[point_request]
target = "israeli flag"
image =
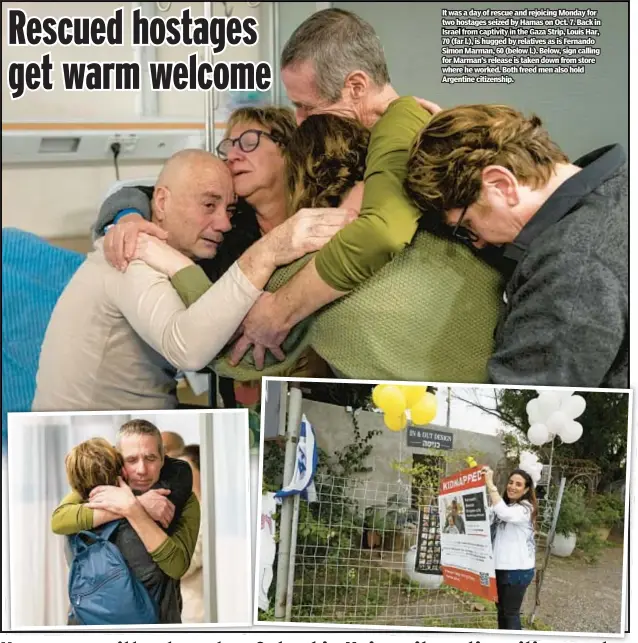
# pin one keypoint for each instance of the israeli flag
(305, 466)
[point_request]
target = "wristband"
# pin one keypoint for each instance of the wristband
(123, 213)
(119, 215)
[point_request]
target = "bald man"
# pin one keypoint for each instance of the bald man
(173, 444)
(117, 339)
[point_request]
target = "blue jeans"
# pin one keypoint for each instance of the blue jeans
(511, 586)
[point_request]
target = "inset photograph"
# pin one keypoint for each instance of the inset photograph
(443, 506)
(129, 519)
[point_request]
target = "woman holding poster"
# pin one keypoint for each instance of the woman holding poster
(514, 522)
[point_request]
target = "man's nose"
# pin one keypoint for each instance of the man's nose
(223, 223)
(141, 467)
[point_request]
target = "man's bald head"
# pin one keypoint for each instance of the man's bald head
(173, 444)
(191, 200)
(183, 164)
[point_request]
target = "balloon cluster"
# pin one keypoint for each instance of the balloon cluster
(554, 413)
(529, 462)
(396, 401)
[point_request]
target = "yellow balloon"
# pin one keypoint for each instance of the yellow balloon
(413, 394)
(424, 411)
(377, 394)
(471, 462)
(392, 400)
(395, 422)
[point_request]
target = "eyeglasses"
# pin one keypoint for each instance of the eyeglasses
(248, 142)
(461, 232)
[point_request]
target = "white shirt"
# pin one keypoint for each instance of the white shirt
(514, 546)
(116, 340)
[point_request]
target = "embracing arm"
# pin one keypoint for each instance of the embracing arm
(386, 224)
(189, 338)
(72, 516)
(127, 200)
(214, 311)
(173, 553)
(388, 219)
(177, 476)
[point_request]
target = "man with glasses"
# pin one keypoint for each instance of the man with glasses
(495, 177)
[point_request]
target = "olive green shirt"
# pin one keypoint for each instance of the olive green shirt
(388, 218)
(173, 556)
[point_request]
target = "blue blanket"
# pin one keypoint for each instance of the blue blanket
(34, 274)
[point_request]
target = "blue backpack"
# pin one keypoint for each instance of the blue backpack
(102, 588)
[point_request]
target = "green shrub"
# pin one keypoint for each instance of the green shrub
(573, 516)
(606, 510)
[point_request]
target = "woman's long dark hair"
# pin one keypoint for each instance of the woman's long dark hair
(529, 495)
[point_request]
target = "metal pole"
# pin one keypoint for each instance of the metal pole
(273, 18)
(550, 538)
(549, 475)
(449, 406)
(287, 507)
(283, 396)
(147, 101)
(293, 554)
(209, 97)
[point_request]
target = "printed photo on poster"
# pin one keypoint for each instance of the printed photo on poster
(467, 560)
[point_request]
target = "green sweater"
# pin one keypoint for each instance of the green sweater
(388, 218)
(427, 315)
(173, 556)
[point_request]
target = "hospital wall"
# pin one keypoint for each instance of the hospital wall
(61, 200)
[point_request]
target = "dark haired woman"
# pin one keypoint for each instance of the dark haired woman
(514, 515)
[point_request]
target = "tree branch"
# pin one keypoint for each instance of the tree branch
(498, 412)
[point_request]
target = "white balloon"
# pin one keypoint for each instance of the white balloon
(572, 432)
(535, 417)
(556, 422)
(573, 406)
(528, 456)
(532, 408)
(564, 393)
(548, 402)
(538, 434)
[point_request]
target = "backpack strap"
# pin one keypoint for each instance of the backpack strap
(105, 532)
(108, 529)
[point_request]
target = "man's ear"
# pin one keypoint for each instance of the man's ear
(161, 195)
(500, 179)
(357, 84)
